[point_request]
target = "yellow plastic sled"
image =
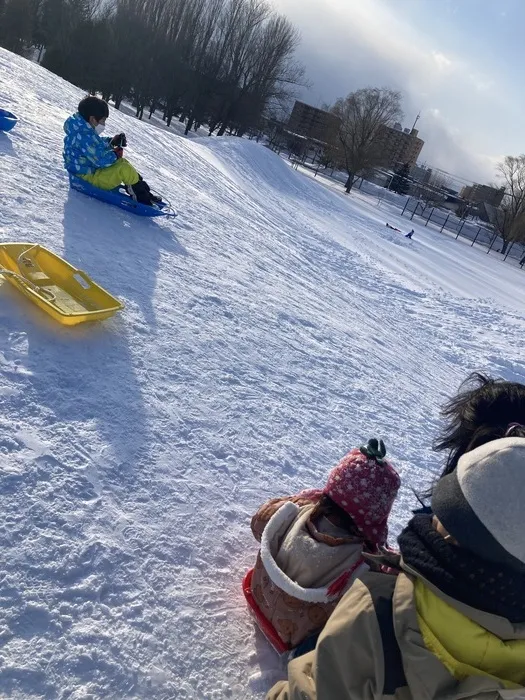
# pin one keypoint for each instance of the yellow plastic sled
(58, 288)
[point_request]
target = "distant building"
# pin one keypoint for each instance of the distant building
(398, 146)
(313, 123)
(421, 174)
(483, 194)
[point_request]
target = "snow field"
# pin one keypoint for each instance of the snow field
(271, 327)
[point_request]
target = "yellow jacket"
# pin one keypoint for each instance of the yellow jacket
(465, 647)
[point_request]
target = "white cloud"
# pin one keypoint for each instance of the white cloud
(481, 82)
(444, 149)
(442, 62)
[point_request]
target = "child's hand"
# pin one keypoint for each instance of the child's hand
(119, 141)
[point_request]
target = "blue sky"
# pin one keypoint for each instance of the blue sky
(458, 61)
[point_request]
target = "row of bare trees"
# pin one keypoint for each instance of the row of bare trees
(219, 62)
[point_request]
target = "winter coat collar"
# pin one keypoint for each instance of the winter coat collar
(276, 527)
(78, 123)
(330, 540)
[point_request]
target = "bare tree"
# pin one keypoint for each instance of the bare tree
(434, 191)
(189, 32)
(270, 73)
(237, 30)
(509, 219)
(362, 114)
(224, 29)
(440, 180)
(16, 25)
(62, 27)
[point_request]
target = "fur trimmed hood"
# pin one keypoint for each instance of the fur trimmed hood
(273, 533)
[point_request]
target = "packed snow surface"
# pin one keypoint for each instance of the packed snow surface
(272, 326)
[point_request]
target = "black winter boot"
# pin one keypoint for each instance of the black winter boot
(140, 192)
(154, 198)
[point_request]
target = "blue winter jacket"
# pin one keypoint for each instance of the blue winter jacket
(84, 150)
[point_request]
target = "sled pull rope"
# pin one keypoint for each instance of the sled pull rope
(31, 262)
(23, 280)
(20, 260)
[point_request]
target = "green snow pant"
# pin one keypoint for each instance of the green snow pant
(121, 172)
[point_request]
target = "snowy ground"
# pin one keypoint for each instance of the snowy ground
(271, 327)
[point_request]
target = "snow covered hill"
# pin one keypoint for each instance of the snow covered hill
(271, 327)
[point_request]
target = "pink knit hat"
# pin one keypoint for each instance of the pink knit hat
(365, 485)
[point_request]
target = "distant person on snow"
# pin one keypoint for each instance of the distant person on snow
(452, 622)
(99, 160)
(410, 234)
(312, 544)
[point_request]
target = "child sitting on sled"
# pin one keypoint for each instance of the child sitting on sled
(99, 160)
(312, 544)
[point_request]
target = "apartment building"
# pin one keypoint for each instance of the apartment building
(313, 123)
(483, 194)
(399, 146)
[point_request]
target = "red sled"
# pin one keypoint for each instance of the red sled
(263, 623)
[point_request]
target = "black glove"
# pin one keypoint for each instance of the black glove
(119, 141)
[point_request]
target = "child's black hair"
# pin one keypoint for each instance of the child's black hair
(329, 508)
(93, 107)
(482, 411)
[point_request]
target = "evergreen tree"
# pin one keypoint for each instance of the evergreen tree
(400, 182)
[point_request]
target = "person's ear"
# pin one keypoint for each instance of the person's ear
(439, 527)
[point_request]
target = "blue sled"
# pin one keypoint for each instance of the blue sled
(119, 198)
(7, 120)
